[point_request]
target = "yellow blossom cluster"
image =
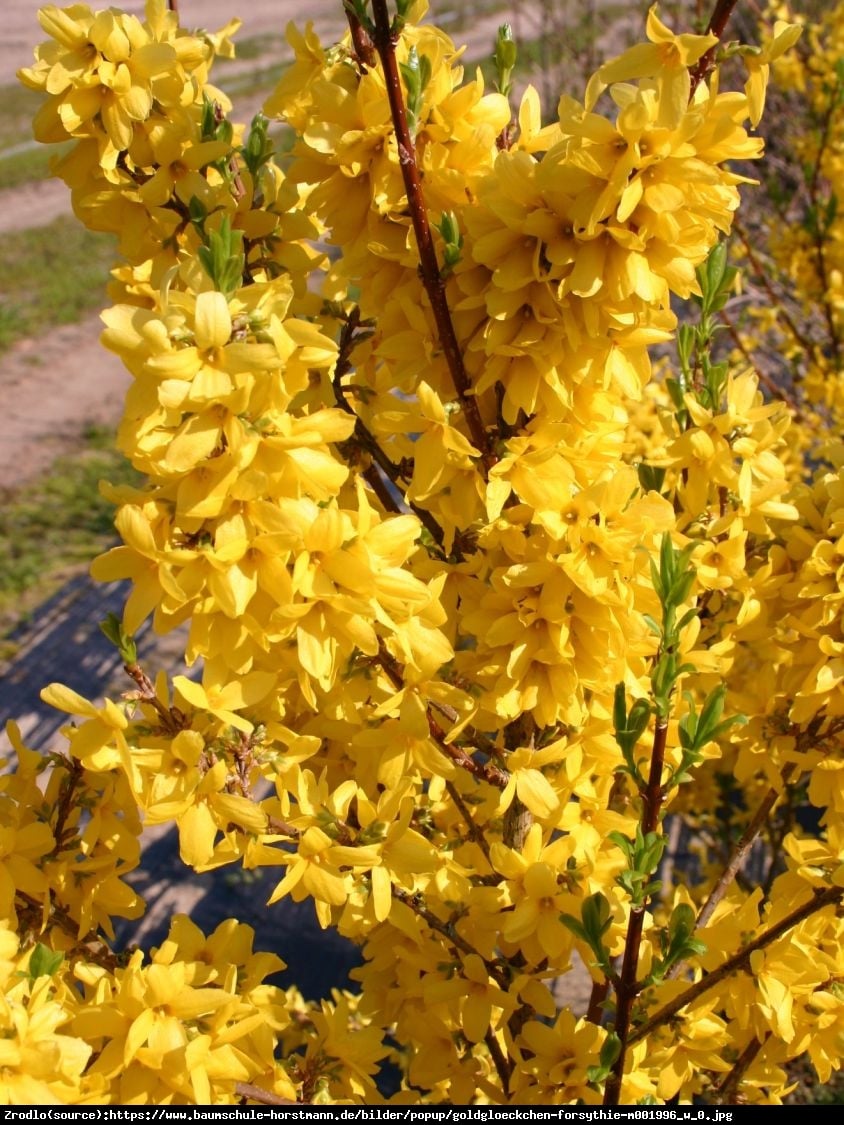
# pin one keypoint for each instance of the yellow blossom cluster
(799, 326)
(467, 587)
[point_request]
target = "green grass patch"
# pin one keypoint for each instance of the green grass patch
(20, 104)
(255, 47)
(30, 166)
(53, 527)
(259, 81)
(51, 275)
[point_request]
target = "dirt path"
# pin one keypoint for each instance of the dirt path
(51, 388)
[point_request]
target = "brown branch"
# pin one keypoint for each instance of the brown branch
(485, 771)
(654, 793)
(385, 44)
(503, 1065)
(364, 50)
(367, 440)
(597, 996)
(738, 856)
(65, 804)
(626, 988)
(476, 833)
(447, 931)
(172, 719)
(738, 962)
(806, 740)
(726, 1090)
(716, 26)
(282, 828)
(801, 338)
(247, 1092)
(774, 389)
(89, 947)
(173, 6)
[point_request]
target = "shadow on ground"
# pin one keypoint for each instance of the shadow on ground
(63, 642)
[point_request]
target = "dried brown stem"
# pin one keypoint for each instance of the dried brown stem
(738, 962)
(247, 1092)
(385, 44)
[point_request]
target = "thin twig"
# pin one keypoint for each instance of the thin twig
(65, 804)
(598, 995)
(172, 719)
(385, 44)
(716, 26)
(626, 988)
(88, 947)
(738, 962)
(476, 833)
(503, 1065)
(447, 931)
(806, 740)
(726, 1090)
(364, 50)
(485, 771)
(739, 854)
(818, 234)
(774, 389)
(248, 1092)
(803, 340)
(367, 440)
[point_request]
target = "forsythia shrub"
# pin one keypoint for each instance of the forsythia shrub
(484, 608)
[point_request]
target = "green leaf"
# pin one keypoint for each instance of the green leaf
(112, 628)
(504, 58)
(576, 927)
(43, 962)
(416, 73)
(610, 1050)
(651, 477)
(619, 709)
(222, 257)
(685, 346)
(626, 845)
(259, 148)
(652, 624)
